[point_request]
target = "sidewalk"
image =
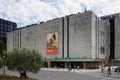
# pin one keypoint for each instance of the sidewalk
(93, 72)
(73, 70)
(114, 75)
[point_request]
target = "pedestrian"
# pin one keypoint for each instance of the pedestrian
(102, 69)
(118, 71)
(78, 67)
(109, 71)
(106, 72)
(74, 66)
(69, 67)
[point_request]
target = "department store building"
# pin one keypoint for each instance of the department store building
(82, 39)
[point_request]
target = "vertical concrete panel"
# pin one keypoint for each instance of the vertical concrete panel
(93, 35)
(102, 39)
(24, 38)
(9, 41)
(65, 37)
(80, 35)
(117, 37)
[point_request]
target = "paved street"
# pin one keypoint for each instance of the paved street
(44, 74)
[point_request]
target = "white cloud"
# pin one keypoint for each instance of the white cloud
(25, 12)
(103, 7)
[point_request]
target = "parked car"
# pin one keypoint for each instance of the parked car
(117, 69)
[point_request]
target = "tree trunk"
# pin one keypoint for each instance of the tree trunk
(23, 75)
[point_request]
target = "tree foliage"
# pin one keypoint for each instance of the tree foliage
(1, 62)
(24, 61)
(2, 47)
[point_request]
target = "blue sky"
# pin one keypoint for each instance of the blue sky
(26, 12)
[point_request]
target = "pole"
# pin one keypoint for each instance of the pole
(48, 70)
(4, 69)
(4, 66)
(48, 62)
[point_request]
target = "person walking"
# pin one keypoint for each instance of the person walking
(102, 69)
(109, 71)
(69, 67)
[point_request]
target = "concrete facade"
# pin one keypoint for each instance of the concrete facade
(117, 37)
(113, 23)
(79, 35)
(34, 37)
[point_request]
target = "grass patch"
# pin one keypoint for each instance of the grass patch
(8, 77)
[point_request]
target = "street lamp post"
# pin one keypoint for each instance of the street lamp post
(4, 69)
(49, 64)
(4, 65)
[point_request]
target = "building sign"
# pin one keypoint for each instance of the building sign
(52, 43)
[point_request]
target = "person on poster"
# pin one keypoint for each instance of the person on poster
(52, 42)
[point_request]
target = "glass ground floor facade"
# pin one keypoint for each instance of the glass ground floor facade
(74, 64)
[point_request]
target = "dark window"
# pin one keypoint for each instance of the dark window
(112, 39)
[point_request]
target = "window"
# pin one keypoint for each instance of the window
(1, 35)
(2, 24)
(5, 35)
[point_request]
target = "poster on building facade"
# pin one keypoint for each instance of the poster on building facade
(52, 43)
(102, 42)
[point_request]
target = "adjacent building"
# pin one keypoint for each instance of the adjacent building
(113, 22)
(6, 26)
(81, 39)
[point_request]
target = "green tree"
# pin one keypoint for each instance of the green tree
(24, 61)
(2, 48)
(1, 62)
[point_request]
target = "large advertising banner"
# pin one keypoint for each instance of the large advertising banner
(102, 42)
(52, 43)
